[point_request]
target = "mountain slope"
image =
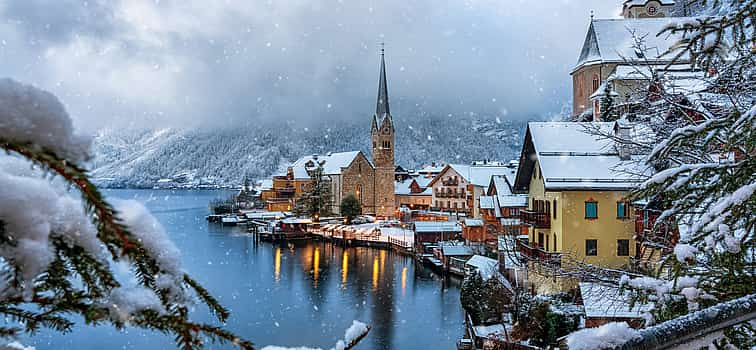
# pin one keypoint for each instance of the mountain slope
(139, 158)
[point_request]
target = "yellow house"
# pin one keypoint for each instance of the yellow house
(577, 185)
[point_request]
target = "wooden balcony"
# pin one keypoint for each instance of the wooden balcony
(535, 219)
(449, 182)
(539, 255)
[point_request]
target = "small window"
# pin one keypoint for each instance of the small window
(555, 208)
(595, 83)
(540, 240)
(546, 246)
(622, 210)
(555, 240)
(623, 247)
(591, 210)
(591, 247)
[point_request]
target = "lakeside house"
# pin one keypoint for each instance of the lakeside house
(458, 187)
(577, 184)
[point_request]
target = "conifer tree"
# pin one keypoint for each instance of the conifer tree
(317, 199)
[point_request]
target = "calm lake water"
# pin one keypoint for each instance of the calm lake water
(290, 295)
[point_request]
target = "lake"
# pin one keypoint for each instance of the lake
(288, 294)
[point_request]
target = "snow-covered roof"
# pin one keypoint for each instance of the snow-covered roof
(423, 181)
(404, 187)
(572, 157)
(265, 184)
(487, 202)
(501, 182)
(437, 226)
(608, 302)
(456, 250)
(479, 175)
(473, 222)
(332, 163)
(491, 331)
(512, 200)
(630, 3)
(611, 40)
(486, 266)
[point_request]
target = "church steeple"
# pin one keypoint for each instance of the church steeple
(382, 106)
(382, 137)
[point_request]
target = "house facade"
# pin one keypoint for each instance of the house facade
(458, 187)
(577, 185)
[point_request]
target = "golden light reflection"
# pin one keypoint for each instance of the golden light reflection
(344, 269)
(375, 273)
(404, 279)
(316, 267)
(277, 264)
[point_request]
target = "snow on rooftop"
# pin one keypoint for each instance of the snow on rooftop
(437, 226)
(486, 266)
(500, 181)
(512, 200)
(473, 222)
(571, 156)
(480, 175)
(332, 163)
(612, 40)
(456, 250)
(487, 202)
(602, 301)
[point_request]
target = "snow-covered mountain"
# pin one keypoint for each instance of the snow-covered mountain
(141, 158)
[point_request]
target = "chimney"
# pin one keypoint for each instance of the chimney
(622, 132)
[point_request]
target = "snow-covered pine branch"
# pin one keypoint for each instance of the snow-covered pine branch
(60, 255)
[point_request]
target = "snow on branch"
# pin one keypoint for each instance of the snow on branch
(28, 114)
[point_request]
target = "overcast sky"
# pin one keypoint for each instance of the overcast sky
(123, 63)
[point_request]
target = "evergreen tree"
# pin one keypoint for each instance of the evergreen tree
(350, 208)
(317, 199)
(608, 109)
(470, 295)
(700, 154)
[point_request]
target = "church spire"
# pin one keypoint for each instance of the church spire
(382, 107)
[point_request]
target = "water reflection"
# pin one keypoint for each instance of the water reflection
(277, 265)
(375, 273)
(404, 280)
(305, 301)
(344, 269)
(316, 268)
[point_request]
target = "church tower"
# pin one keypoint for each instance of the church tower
(382, 135)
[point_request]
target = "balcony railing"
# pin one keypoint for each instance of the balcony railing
(450, 195)
(535, 219)
(539, 255)
(450, 182)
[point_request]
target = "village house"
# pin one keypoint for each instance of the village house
(371, 181)
(610, 55)
(413, 193)
(458, 188)
(577, 185)
(500, 207)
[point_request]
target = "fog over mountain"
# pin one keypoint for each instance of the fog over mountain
(224, 156)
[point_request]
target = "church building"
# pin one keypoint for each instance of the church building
(370, 181)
